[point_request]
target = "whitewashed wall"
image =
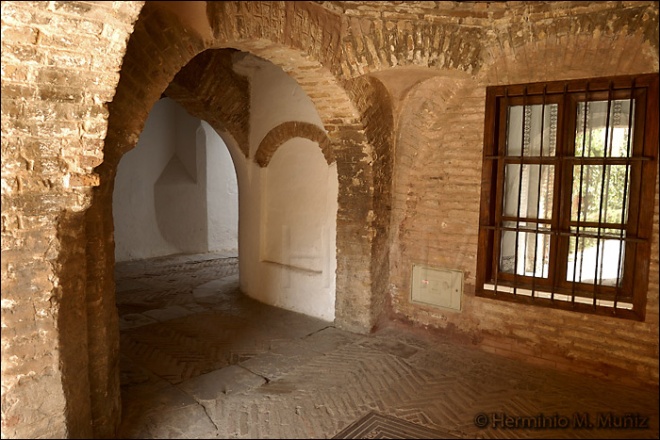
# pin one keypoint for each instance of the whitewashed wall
(176, 191)
(289, 208)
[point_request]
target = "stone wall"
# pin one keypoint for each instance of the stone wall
(400, 89)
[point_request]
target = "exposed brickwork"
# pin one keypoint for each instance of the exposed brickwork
(374, 102)
(436, 191)
(436, 194)
(301, 25)
(146, 71)
(409, 171)
(158, 49)
(287, 130)
(461, 36)
(208, 88)
(61, 63)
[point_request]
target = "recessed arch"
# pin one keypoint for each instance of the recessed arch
(297, 234)
(441, 156)
(285, 131)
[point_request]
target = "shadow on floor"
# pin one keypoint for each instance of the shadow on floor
(201, 360)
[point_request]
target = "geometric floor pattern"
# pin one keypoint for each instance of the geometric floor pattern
(375, 425)
(201, 360)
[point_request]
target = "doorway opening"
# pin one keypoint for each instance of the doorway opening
(175, 203)
(186, 205)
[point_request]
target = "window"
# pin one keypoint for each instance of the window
(568, 193)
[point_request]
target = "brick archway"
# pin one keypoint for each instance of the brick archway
(287, 130)
(61, 66)
(158, 60)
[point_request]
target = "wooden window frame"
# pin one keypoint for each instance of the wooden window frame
(491, 282)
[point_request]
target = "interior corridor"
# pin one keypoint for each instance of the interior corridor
(201, 360)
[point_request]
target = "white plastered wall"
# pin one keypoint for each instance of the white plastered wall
(221, 194)
(298, 230)
(175, 192)
(289, 208)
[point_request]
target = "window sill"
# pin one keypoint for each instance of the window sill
(559, 301)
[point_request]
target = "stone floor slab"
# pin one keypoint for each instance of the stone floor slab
(229, 380)
(237, 368)
(167, 313)
(132, 320)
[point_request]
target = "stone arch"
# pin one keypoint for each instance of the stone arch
(287, 130)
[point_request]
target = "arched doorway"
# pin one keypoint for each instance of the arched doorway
(225, 106)
(172, 330)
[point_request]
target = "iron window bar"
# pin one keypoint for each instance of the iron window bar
(608, 143)
(625, 188)
(556, 213)
(525, 139)
(566, 234)
(577, 230)
(501, 150)
(638, 217)
(575, 174)
(538, 194)
(579, 206)
(587, 160)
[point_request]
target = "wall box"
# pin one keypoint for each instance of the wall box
(441, 288)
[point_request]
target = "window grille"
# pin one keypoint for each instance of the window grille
(568, 192)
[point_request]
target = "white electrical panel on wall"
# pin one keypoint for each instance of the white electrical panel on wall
(437, 287)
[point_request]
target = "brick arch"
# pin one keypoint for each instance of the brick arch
(209, 89)
(287, 130)
(373, 44)
(351, 43)
(306, 26)
(148, 67)
(304, 39)
(605, 42)
(157, 61)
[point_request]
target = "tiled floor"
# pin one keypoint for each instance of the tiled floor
(200, 360)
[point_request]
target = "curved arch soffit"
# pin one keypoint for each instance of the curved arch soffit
(288, 130)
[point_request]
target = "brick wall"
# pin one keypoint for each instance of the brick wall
(60, 64)
(408, 151)
(438, 177)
